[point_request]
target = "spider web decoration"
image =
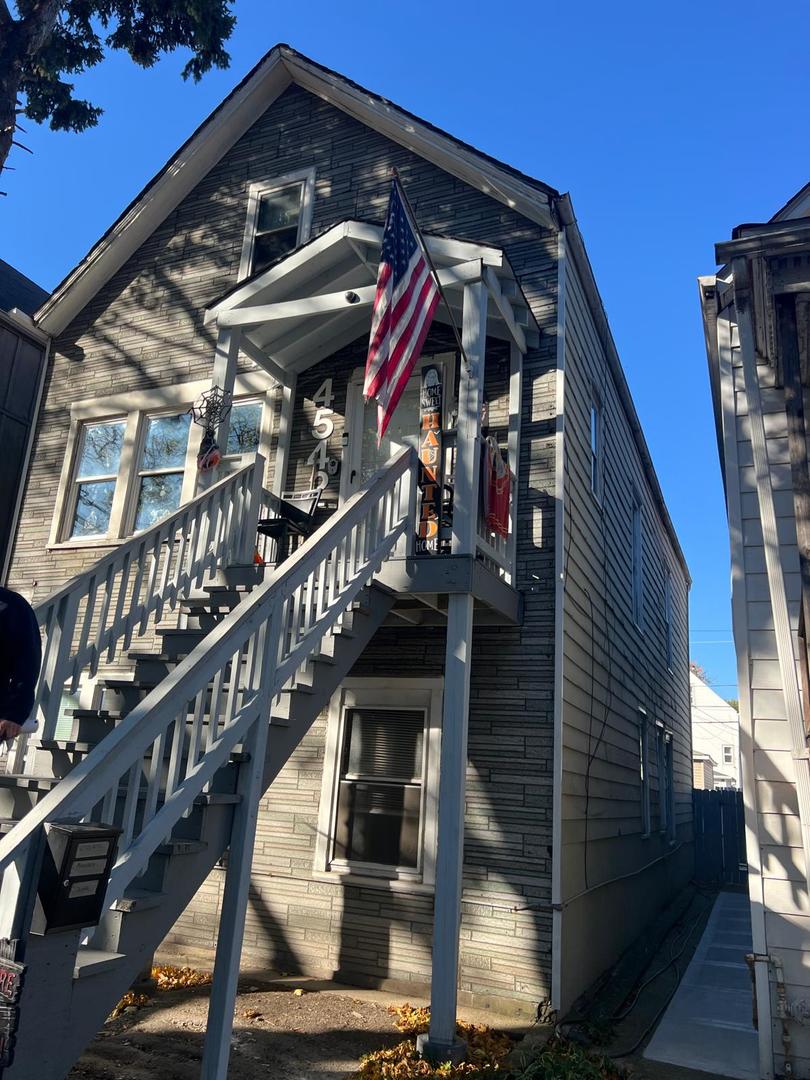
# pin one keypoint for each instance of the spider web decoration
(211, 408)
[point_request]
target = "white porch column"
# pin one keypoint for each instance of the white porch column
(223, 375)
(441, 1042)
(285, 423)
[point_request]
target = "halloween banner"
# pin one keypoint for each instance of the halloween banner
(430, 457)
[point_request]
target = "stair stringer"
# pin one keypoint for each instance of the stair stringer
(135, 935)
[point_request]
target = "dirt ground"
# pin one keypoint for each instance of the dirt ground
(319, 1035)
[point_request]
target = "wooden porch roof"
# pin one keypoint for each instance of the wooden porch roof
(318, 298)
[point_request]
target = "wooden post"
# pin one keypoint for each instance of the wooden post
(470, 400)
(515, 406)
(223, 375)
(217, 1047)
(441, 1043)
(285, 423)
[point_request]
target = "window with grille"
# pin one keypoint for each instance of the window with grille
(379, 806)
(130, 459)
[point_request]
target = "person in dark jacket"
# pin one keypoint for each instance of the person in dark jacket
(20, 660)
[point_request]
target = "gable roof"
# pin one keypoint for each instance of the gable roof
(19, 291)
(281, 67)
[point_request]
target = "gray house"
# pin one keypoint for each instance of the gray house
(477, 768)
(755, 313)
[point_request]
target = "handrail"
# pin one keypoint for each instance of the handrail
(113, 600)
(163, 754)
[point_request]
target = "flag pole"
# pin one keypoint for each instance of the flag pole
(421, 241)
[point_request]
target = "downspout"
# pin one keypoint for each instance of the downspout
(566, 217)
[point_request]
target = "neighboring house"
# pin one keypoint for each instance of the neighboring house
(756, 314)
(22, 356)
(702, 772)
(715, 735)
(495, 735)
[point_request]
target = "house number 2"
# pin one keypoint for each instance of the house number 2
(322, 428)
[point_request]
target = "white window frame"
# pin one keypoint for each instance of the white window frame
(377, 693)
(596, 445)
(644, 772)
(637, 559)
(265, 187)
(669, 746)
(134, 407)
(669, 642)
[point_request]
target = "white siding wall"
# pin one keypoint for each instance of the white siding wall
(715, 725)
(778, 893)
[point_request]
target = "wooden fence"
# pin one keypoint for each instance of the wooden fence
(720, 857)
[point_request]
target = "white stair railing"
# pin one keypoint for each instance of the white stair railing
(146, 774)
(102, 609)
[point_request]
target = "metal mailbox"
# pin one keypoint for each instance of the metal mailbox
(76, 866)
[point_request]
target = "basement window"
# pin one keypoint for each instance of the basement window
(377, 815)
(279, 219)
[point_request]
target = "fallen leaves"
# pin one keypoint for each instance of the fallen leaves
(130, 1002)
(487, 1051)
(168, 977)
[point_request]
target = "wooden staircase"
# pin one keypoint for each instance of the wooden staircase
(184, 736)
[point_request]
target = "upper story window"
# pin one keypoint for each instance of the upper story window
(637, 562)
(728, 755)
(123, 473)
(596, 447)
(279, 219)
(668, 619)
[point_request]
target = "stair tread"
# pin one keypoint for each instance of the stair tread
(91, 961)
(21, 780)
(138, 900)
(181, 847)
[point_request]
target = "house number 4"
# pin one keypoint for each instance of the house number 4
(322, 428)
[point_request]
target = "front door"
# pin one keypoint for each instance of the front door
(363, 457)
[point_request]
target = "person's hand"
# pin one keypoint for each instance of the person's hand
(9, 730)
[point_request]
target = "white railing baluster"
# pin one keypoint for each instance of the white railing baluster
(136, 601)
(240, 665)
(118, 617)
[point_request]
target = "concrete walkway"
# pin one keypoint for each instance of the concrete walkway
(707, 1025)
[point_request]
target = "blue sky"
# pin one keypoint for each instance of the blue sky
(668, 124)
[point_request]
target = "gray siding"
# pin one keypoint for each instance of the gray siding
(610, 668)
(144, 329)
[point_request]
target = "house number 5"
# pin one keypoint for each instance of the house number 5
(322, 428)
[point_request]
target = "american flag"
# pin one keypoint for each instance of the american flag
(404, 304)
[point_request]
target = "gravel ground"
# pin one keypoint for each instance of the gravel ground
(317, 1036)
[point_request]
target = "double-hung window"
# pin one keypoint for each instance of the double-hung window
(728, 755)
(380, 787)
(161, 468)
(279, 218)
(95, 478)
(131, 458)
(377, 814)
